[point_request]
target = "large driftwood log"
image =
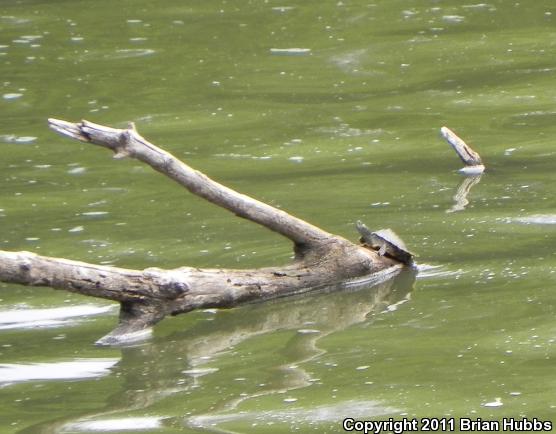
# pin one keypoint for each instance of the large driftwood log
(147, 296)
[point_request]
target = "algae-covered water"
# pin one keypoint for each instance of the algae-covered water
(327, 109)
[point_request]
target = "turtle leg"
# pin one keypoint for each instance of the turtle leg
(382, 250)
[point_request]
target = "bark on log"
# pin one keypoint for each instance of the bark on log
(147, 296)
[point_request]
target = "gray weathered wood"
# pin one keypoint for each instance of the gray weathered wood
(129, 143)
(473, 163)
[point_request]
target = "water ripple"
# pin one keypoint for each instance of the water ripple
(124, 424)
(55, 317)
(427, 271)
(85, 368)
(537, 219)
(325, 413)
(132, 52)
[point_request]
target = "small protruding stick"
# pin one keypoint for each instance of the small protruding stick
(473, 163)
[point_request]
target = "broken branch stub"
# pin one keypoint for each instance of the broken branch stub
(323, 260)
(473, 163)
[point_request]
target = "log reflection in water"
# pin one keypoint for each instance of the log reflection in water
(184, 362)
(464, 188)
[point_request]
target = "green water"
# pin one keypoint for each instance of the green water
(345, 131)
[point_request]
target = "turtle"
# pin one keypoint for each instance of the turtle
(386, 242)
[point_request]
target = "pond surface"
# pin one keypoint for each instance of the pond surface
(330, 110)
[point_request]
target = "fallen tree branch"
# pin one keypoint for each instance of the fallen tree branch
(147, 296)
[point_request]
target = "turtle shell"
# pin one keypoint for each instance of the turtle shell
(387, 242)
